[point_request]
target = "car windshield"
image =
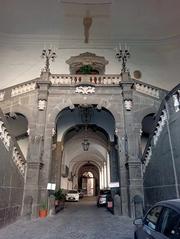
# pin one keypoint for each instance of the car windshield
(72, 191)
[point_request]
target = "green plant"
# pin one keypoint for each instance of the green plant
(86, 69)
(59, 195)
(43, 206)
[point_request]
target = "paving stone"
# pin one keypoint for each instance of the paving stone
(81, 220)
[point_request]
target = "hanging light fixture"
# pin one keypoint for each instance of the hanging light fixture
(85, 144)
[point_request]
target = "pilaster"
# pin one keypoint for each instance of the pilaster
(59, 148)
(35, 159)
(131, 146)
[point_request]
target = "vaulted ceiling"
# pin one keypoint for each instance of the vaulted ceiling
(130, 19)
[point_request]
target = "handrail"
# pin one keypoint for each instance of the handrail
(18, 89)
(67, 79)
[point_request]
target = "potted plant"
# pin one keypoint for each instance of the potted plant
(43, 210)
(59, 200)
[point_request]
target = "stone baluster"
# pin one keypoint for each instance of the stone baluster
(2, 95)
(176, 102)
(147, 90)
(159, 128)
(21, 89)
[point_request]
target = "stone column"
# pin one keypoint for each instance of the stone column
(113, 163)
(102, 175)
(132, 138)
(105, 175)
(108, 170)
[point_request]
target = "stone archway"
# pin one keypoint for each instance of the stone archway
(70, 156)
(88, 179)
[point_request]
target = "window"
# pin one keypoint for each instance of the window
(170, 223)
(152, 217)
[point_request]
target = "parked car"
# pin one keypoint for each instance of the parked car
(162, 221)
(72, 195)
(102, 197)
(81, 193)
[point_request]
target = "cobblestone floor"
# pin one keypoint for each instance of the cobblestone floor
(81, 220)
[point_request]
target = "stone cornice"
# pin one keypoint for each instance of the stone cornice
(62, 43)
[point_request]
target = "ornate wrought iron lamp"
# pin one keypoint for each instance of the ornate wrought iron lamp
(48, 54)
(123, 55)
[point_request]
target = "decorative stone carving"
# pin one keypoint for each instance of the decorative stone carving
(53, 132)
(128, 105)
(28, 131)
(85, 90)
(98, 63)
(42, 104)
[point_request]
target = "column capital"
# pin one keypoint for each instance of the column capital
(43, 85)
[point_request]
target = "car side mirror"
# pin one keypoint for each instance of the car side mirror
(138, 222)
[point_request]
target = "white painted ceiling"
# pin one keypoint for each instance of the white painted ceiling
(112, 19)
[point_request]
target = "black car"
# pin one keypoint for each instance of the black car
(102, 197)
(162, 221)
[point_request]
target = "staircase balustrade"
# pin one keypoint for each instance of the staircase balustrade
(69, 80)
(172, 99)
(147, 89)
(58, 79)
(24, 88)
(8, 142)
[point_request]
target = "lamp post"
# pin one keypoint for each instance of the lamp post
(48, 54)
(123, 55)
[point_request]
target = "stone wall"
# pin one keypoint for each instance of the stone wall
(11, 184)
(162, 154)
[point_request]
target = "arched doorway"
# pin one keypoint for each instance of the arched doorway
(83, 149)
(88, 179)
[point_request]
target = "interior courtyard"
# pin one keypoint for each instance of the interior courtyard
(89, 100)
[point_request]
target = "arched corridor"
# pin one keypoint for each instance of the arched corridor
(86, 138)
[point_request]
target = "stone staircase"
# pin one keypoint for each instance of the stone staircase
(12, 174)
